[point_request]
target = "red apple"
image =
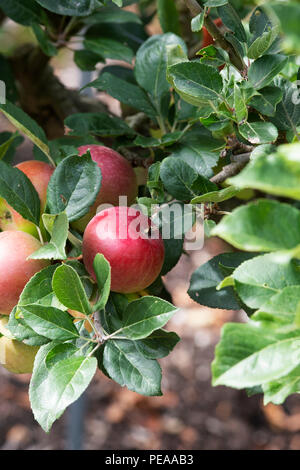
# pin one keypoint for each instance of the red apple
(39, 174)
(118, 179)
(207, 39)
(121, 234)
(16, 270)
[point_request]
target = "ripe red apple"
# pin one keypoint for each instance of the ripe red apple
(118, 179)
(207, 39)
(121, 234)
(16, 270)
(39, 174)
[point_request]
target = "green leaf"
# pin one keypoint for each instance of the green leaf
(26, 125)
(174, 220)
(282, 308)
(259, 132)
(22, 332)
(249, 355)
(87, 60)
(216, 196)
(208, 276)
(103, 274)
(4, 148)
(261, 226)
(129, 367)
(261, 44)
(266, 101)
(43, 39)
(69, 290)
(109, 48)
(52, 389)
(181, 181)
(97, 124)
(165, 141)
(202, 161)
(258, 279)
(278, 173)
(124, 91)
(175, 55)
(197, 22)
(9, 153)
(151, 66)
(145, 315)
(173, 252)
(260, 22)
(84, 181)
(22, 12)
(112, 15)
(84, 276)
(168, 16)
(38, 290)
(159, 344)
(240, 107)
(130, 35)
(287, 116)
(263, 70)
(209, 225)
(277, 391)
(178, 178)
(56, 248)
(232, 20)
(19, 192)
(49, 322)
(69, 7)
(196, 83)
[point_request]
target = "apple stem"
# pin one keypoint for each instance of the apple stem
(40, 235)
(98, 327)
(94, 350)
(92, 325)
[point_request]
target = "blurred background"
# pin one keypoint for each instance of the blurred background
(191, 414)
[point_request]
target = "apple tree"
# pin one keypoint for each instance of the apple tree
(210, 123)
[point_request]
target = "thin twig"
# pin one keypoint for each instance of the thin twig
(98, 326)
(232, 169)
(216, 33)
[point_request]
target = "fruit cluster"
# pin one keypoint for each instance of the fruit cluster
(135, 261)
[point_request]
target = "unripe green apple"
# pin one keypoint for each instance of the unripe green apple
(39, 174)
(16, 270)
(17, 357)
(118, 179)
(3, 327)
(122, 235)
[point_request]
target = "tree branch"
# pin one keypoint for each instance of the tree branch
(43, 96)
(232, 169)
(215, 32)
